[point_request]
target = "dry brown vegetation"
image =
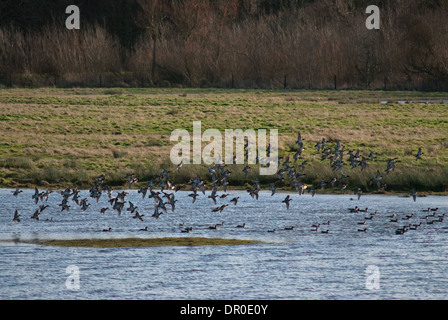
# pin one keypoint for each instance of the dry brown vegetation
(237, 43)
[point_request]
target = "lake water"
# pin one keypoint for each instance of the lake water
(292, 264)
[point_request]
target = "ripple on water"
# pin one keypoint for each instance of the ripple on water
(292, 264)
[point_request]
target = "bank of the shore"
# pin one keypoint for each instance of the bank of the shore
(143, 242)
(56, 138)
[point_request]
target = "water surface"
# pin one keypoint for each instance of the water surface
(291, 264)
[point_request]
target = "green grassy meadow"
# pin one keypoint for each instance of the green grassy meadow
(76, 134)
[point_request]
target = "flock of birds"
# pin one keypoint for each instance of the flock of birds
(163, 191)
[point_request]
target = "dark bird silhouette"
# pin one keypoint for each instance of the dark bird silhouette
(35, 196)
(272, 189)
(132, 207)
(358, 193)
(156, 213)
(103, 210)
(138, 216)
(235, 200)
(43, 207)
(286, 201)
(179, 165)
(16, 216)
(194, 195)
(419, 154)
(414, 195)
(187, 230)
(245, 170)
(35, 215)
(220, 208)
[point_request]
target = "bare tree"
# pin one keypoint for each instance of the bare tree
(151, 17)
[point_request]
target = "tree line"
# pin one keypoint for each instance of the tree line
(292, 44)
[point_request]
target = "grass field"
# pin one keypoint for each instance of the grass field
(76, 134)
